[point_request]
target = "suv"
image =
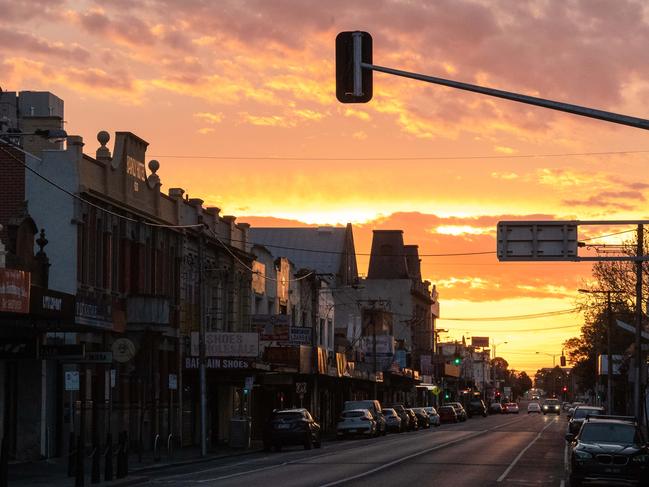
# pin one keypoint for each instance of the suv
(459, 409)
(374, 407)
(608, 448)
(580, 414)
(476, 407)
(291, 427)
(551, 406)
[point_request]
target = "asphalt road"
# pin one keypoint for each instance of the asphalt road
(507, 450)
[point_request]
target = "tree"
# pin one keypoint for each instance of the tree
(523, 383)
(551, 380)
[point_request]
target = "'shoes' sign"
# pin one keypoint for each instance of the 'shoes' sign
(219, 344)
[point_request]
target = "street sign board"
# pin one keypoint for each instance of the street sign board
(537, 241)
(72, 380)
(98, 357)
(173, 382)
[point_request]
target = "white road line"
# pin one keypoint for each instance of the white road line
(415, 455)
(518, 457)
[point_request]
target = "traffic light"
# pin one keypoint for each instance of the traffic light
(353, 82)
(457, 360)
(446, 396)
(563, 360)
(565, 389)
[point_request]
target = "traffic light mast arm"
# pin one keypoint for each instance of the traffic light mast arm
(530, 100)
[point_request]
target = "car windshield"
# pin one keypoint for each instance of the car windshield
(581, 413)
(288, 416)
(353, 414)
(551, 402)
(430, 410)
(446, 409)
(609, 433)
(389, 412)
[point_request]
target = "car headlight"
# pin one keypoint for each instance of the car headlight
(642, 458)
(583, 455)
(545, 407)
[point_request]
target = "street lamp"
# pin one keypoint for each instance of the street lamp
(609, 361)
(494, 345)
(553, 355)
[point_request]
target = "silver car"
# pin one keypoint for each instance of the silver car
(356, 422)
(393, 420)
(432, 415)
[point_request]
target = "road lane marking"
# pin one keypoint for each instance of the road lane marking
(518, 457)
(418, 454)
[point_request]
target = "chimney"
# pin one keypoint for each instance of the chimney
(413, 261)
(176, 192)
(387, 260)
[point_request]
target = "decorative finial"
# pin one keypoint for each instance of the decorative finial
(103, 152)
(154, 166)
(153, 179)
(41, 241)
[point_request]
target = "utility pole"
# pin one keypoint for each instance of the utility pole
(638, 325)
(201, 344)
(376, 385)
(609, 376)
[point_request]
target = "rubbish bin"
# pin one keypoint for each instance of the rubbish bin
(240, 427)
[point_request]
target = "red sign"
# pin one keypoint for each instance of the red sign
(14, 291)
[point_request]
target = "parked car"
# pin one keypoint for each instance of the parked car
(551, 406)
(476, 408)
(414, 422)
(511, 408)
(534, 407)
(495, 408)
(356, 422)
(608, 449)
(432, 415)
(405, 417)
(447, 414)
(291, 427)
(422, 417)
(393, 420)
(580, 414)
(461, 412)
(374, 407)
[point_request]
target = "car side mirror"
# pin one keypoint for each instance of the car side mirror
(570, 437)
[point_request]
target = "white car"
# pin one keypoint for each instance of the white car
(356, 422)
(432, 415)
(533, 407)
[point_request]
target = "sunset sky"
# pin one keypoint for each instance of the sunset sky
(237, 101)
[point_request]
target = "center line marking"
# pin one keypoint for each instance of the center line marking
(518, 457)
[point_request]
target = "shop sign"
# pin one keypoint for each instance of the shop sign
(384, 344)
(479, 341)
(300, 335)
(62, 352)
(94, 310)
(14, 291)
(16, 348)
(219, 363)
(221, 344)
(123, 350)
(173, 382)
(98, 358)
(51, 304)
(289, 356)
(72, 380)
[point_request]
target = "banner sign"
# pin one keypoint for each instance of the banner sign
(272, 328)
(14, 291)
(221, 344)
(62, 352)
(219, 363)
(299, 335)
(51, 304)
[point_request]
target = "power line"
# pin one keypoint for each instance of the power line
(546, 314)
(83, 200)
(398, 158)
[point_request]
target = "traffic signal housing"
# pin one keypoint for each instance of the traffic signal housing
(353, 83)
(562, 360)
(457, 360)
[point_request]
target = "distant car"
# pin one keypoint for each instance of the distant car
(432, 415)
(511, 408)
(476, 407)
(579, 416)
(534, 407)
(447, 414)
(374, 407)
(291, 427)
(405, 417)
(608, 449)
(414, 422)
(461, 412)
(495, 408)
(356, 422)
(393, 420)
(551, 406)
(422, 417)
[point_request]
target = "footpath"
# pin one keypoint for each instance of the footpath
(54, 472)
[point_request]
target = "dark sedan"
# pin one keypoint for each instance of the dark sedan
(447, 414)
(412, 418)
(608, 450)
(496, 408)
(422, 417)
(291, 427)
(459, 409)
(579, 415)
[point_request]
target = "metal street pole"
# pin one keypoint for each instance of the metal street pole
(638, 326)
(376, 386)
(201, 346)
(609, 376)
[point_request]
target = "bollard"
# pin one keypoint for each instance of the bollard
(108, 462)
(79, 477)
(71, 457)
(95, 476)
(4, 462)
